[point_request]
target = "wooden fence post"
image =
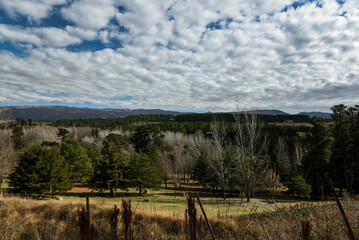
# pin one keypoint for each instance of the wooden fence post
(350, 231)
(88, 209)
(205, 216)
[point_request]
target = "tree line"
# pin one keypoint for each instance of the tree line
(240, 156)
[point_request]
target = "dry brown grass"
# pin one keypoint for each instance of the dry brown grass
(51, 219)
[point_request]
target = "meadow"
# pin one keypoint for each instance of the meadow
(165, 216)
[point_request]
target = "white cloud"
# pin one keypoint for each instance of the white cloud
(90, 14)
(49, 37)
(301, 59)
(33, 9)
(82, 33)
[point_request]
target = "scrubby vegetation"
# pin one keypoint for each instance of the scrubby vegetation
(29, 219)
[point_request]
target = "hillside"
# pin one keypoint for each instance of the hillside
(51, 113)
(316, 114)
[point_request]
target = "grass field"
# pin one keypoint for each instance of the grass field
(54, 220)
(172, 201)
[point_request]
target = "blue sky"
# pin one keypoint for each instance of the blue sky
(180, 55)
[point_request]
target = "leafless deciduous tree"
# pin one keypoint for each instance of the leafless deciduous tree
(177, 143)
(282, 155)
(218, 161)
(96, 141)
(298, 156)
(251, 163)
(272, 182)
(39, 134)
(7, 154)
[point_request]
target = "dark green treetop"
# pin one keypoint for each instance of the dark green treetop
(142, 173)
(108, 174)
(79, 163)
(41, 170)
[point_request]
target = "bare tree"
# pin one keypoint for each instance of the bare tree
(218, 161)
(272, 182)
(177, 143)
(298, 156)
(166, 165)
(39, 134)
(251, 145)
(283, 160)
(7, 154)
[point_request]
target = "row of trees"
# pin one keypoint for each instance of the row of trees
(244, 155)
(54, 168)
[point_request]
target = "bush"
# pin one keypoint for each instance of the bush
(298, 187)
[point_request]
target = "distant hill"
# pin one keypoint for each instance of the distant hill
(51, 113)
(270, 112)
(316, 114)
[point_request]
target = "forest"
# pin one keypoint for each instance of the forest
(239, 153)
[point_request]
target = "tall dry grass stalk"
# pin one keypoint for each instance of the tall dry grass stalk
(127, 219)
(114, 220)
(31, 219)
(307, 226)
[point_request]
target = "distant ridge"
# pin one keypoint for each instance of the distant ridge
(270, 112)
(316, 114)
(51, 113)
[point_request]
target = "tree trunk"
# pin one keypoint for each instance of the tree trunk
(248, 193)
(224, 193)
(140, 190)
(165, 182)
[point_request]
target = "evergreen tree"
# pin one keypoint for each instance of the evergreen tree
(79, 163)
(142, 173)
(17, 134)
(298, 187)
(41, 170)
(200, 170)
(320, 142)
(147, 138)
(109, 172)
(63, 133)
(93, 154)
(353, 145)
(341, 168)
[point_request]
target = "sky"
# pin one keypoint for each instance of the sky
(188, 55)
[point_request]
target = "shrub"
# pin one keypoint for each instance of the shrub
(298, 187)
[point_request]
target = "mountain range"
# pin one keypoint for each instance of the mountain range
(51, 113)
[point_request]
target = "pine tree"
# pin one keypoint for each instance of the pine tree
(200, 170)
(41, 170)
(147, 138)
(110, 169)
(320, 142)
(17, 134)
(142, 173)
(340, 164)
(79, 163)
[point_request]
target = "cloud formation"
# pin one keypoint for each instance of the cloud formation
(202, 55)
(33, 9)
